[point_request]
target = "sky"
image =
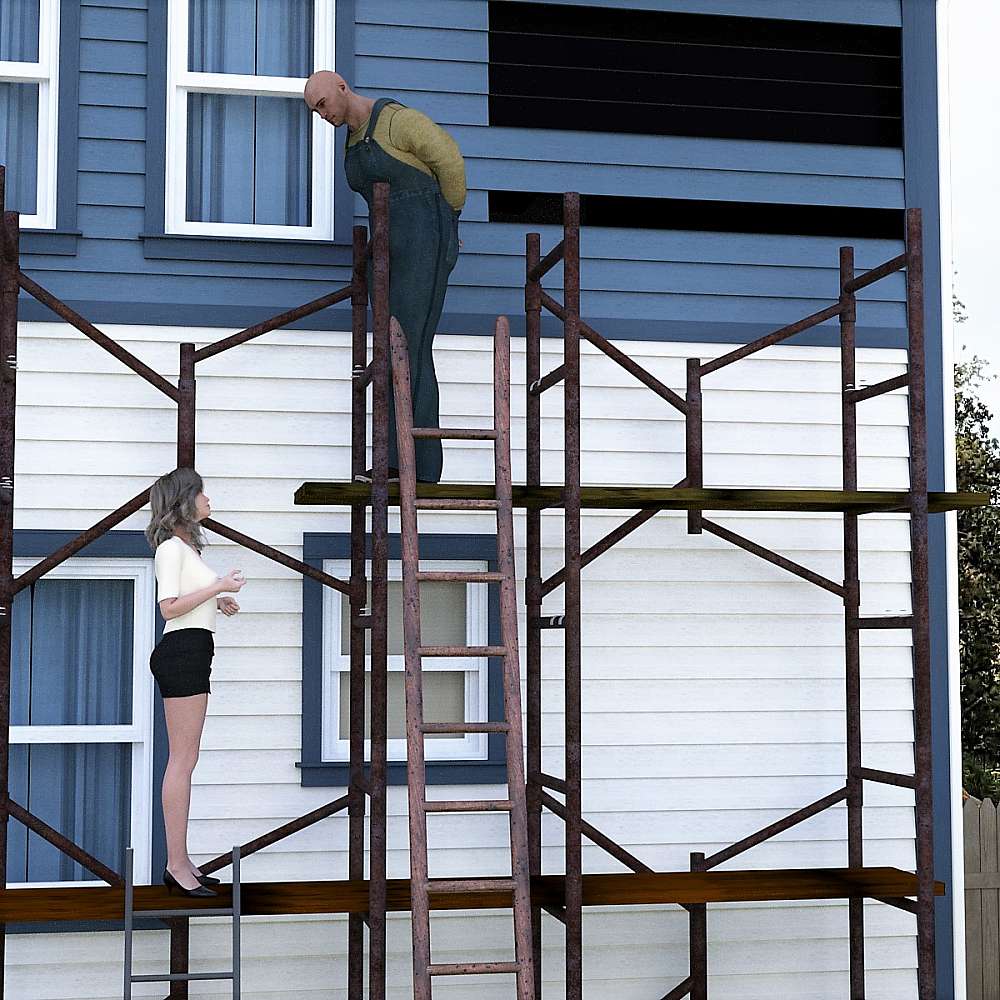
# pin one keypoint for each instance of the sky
(975, 181)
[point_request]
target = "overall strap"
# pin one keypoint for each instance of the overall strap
(376, 110)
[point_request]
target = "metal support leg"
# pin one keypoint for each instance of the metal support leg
(174, 977)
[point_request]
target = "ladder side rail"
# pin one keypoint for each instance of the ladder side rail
(415, 769)
(520, 869)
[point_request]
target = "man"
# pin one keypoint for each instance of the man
(387, 141)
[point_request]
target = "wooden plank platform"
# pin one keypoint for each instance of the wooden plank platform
(646, 497)
(260, 898)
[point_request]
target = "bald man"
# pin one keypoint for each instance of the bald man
(388, 141)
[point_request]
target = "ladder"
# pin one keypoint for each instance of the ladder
(176, 977)
(519, 884)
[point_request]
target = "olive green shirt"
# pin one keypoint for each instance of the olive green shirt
(410, 136)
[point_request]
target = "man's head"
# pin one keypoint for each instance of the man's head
(327, 94)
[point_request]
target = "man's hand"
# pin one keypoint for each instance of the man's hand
(227, 605)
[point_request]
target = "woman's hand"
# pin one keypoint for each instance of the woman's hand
(227, 605)
(233, 581)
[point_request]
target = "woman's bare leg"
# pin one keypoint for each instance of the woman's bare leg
(185, 720)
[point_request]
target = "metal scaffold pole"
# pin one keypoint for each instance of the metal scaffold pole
(9, 233)
(533, 587)
(852, 634)
(923, 760)
(573, 621)
(380, 596)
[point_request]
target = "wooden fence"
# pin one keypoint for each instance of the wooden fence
(982, 899)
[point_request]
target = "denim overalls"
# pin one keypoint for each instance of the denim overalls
(423, 248)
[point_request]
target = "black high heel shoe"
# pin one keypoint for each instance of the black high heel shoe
(171, 883)
(207, 879)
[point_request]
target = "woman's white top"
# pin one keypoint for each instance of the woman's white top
(180, 570)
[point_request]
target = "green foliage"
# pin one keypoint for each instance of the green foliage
(978, 469)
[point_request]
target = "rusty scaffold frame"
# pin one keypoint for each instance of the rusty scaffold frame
(370, 266)
(366, 901)
(690, 494)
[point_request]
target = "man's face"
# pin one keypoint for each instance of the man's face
(329, 101)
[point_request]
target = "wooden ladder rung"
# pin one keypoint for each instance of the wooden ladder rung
(459, 886)
(457, 504)
(472, 968)
(456, 433)
(458, 576)
(465, 727)
(463, 651)
(467, 805)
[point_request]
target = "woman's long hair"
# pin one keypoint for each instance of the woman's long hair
(172, 502)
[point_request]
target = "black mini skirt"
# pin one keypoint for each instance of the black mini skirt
(182, 662)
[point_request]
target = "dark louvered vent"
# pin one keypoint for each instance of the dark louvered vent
(544, 208)
(612, 70)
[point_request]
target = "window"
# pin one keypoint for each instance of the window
(244, 158)
(589, 68)
(452, 614)
(29, 92)
(81, 717)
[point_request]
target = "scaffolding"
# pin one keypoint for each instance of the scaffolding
(367, 901)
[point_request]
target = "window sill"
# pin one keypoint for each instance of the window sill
(442, 772)
(61, 242)
(177, 246)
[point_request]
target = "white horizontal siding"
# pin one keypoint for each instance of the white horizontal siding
(713, 682)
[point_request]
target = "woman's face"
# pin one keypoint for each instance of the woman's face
(202, 507)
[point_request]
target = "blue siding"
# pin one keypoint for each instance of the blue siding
(113, 22)
(433, 55)
(127, 57)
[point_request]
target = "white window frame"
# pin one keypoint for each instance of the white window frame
(181, 81)
(473, 746)
(45, 73)
(140, 733)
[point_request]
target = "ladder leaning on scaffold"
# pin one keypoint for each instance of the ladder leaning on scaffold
(519, 883)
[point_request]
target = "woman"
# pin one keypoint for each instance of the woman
(187, 592)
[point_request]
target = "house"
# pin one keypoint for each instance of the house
(168, 205)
